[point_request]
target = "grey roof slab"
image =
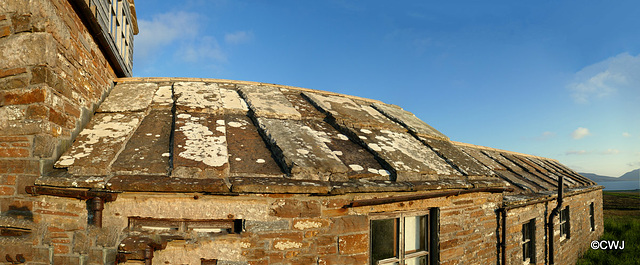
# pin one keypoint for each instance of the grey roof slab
(147, 152)
(302, 150)
(409, 120)
(198, 96)
(459, 159)
(409, 158)
(248, 153)
(232, 102)
(479, 156)
(277, 185)
(200, 146)
(361, 163)
(347, 112)
(268, 102)
(302, 105)
(99, 143)
(129, 97)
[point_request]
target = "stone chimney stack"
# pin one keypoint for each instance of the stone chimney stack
(58, 59)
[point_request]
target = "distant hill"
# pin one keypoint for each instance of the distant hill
(631, 175)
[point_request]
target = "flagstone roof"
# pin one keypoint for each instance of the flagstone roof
(223, 136)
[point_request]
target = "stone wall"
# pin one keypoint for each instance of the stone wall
(278, 229)
(52, 75)
(566, 251)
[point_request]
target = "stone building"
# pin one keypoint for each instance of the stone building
(97, 167)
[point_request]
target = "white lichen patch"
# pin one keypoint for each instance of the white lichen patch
(166, 154)
(338, 153)
(201, 145)
(383, 172)
(94, 144)
(365, 131)
(343, 137)
(372, 170)
(302, 151)
(235, 124)
(356, 167)
(198, 95)
(183, 116)
(260, 161)
(282, 245)
(302, 225)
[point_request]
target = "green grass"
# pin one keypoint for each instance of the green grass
(621, 223)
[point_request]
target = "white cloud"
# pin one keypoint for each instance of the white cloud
(578, 152)
(580, 133)
(238, 37)
(611, 76)
(611, 151)
(206, 48)
(626, 134)
(163, 30)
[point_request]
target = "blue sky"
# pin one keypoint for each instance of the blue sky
(559, 79)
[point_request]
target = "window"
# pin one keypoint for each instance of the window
(405, 238)
(565, 227)
(529, 242)
(592, 217)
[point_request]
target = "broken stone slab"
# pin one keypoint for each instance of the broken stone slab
(129, 97)
(62, 178)
(200, 146)
(441, 184)
(147, 151)
(163, 98)
(278, 185)
(248, 153)
(406, 155)
(97, 145)
(366, 185)
(482, 158)
(348, 113)
(149, 183)
(457, 158)
(302, 150)
(268, 102)
(410, 121)
(198, 97)
(232, 102)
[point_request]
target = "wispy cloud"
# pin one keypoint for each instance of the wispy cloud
(626, 134)
(206, 48)
(238, 37)
(163, 30)
(610, 151)
(603, 79)
(576, 152)
(580, 133)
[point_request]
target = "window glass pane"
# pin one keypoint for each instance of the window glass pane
(414, 233)
(384, 236)
(416, 261)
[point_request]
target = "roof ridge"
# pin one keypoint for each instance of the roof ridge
(500, 150)
(237, 82)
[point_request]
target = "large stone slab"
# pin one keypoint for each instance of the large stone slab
(129, 97)
(482, 158)
(248, 153)
(348, 113)
(147, 152)
(200, 146)
(302, 105)
(409, 120)
(278, 185)
(147, 183)
(361, 163)
(302, 150)
(97, 145)
(410, 158)
(454, 156)
(268, 102)
(232, 102)
(198, 97)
